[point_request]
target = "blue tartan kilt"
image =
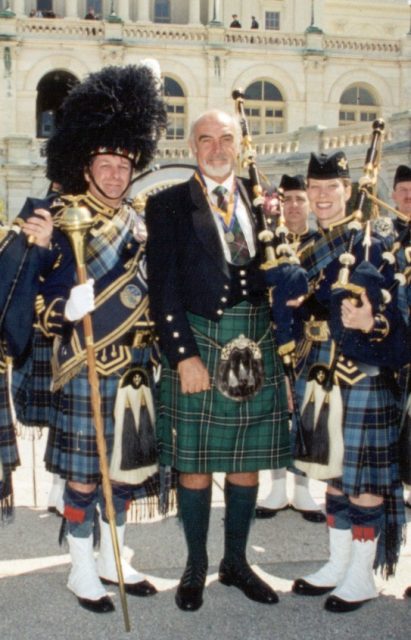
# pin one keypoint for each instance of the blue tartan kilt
(8, 446)
(71, 449)
(31, 384)
(370, 429)
(206, 432)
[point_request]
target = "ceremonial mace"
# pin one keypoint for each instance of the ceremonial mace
(75, 222)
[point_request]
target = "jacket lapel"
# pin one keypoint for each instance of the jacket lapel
(205, 227)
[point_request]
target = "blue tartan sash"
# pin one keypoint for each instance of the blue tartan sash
(323, 248)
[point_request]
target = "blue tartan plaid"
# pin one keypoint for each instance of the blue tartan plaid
(8, 447)
(31, 384)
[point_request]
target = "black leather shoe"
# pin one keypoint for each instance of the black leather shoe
(407, 592)
(303, 588)
(337, 605)
(311, 516)
(103, 605)
(248, 582)
(189, 598)
(142, 589)
(263, 513)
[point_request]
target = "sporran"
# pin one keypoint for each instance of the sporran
(240, 372)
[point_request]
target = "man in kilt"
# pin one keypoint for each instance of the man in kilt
(296, 209)
(346, 365)
(110, 124)
(218, 410)
(24, 255)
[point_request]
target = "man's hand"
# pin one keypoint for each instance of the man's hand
(39, 227)
(354, 317)
(193, 375)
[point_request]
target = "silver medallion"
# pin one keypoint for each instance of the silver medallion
(130, 296)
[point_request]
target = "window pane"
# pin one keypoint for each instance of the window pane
(271, 92)
(272, 20)
(254, 91)
(172, 88)
(44, 5)
(365, 97)
(162, 11)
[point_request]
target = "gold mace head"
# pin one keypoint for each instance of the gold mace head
(75, 222)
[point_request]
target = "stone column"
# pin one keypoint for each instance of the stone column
(18, 7)
(71, 9)
(194, 12)
(215, 12)
(123, 9)
(143, 11)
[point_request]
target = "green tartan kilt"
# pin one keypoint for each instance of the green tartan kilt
(206, 432)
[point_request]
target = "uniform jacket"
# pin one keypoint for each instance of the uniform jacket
(187, 270)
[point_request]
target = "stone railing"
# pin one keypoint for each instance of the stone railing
(171, 33)
(349, 136)
(59, 28)
(365, 45)
(263, 38)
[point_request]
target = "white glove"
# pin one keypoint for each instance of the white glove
(80, 302)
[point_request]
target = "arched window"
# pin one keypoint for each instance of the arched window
(264, 107)
(176, 109)
(51, 91)
(357, 104)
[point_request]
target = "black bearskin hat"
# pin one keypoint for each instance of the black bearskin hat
(118, 110)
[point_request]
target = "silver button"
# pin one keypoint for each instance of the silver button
(169, 318)
(244, 292)
(181, 349)
(243, 282)
(223, 299)
(243, 272)
(176, 334)
(220, 312)
(226, 287)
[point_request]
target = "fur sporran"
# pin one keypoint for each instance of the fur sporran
(134, 456)
(240, 374)
(321, 418)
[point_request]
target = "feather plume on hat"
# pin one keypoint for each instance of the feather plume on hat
(118, 110)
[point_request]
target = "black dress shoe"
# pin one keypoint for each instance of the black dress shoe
(248, 582)
(337, 605)
(142, 589)
(189, 598)
(303, 588)
(311, 516)
(263, 513)
(103, 605)
(407, 592)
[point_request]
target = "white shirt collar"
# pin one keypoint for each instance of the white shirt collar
(212, 184)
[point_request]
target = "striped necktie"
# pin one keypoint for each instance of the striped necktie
(233, 233)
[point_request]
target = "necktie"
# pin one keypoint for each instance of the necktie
(233, 233)
(222, 197)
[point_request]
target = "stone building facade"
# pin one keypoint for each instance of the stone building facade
(315, 74)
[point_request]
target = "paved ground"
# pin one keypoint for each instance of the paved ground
(35, 604)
